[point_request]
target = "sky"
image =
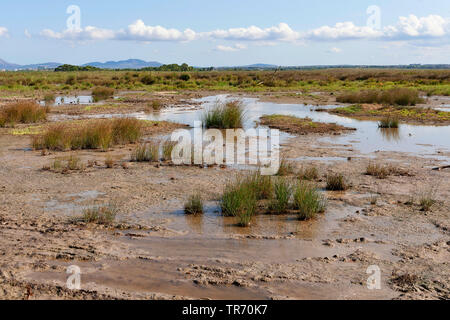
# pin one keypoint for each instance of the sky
(226, 33)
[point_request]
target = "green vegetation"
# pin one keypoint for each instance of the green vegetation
(308, 201)
(96, 134)
(282, 196)
(286, 168)
(167, 148)
(228, 115)
(102, 93)
(388, 122)
(194, 205)
(308, 174)
(395, 96)
(22, 112)
(69, 67)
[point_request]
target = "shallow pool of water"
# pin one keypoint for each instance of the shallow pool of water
(68, 100)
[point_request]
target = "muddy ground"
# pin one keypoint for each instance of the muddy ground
(153, 251)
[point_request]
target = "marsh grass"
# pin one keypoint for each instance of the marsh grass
(383, 171)
(102, 93)
(156, 105)
(146, 152)
(308, 201)
(167, 148)
(109, 162)
(282, 196)
(228, 115)
(395, 96)
(388, 122)
(239, 200)
(22, 112)
(103, 214)
(336, 182)
(286, 168)
(427, 200)
(194, 205)
(263, 185)
(309, 174)
(98, 134)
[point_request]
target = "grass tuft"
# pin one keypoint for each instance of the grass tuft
(104, 215)
(148, 152)
(229, 115)
(194, 205)
(308, 201)
(22, 112)
(282, 196)
(336, 182)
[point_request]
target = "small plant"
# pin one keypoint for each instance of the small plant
(239, 200)
(309, 174)
(282, 196)
(74, 163)
(194, 205)
(109, 162)
(308, 201)
(262, 185)
(388, 123)
(336, 182)
(148, 152)
(167, 148)
(286, 168)
(427, 201)
(102, 93)
(105, 214)
(377, 170)
(229, 115)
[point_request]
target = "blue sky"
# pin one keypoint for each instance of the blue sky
(218, 33)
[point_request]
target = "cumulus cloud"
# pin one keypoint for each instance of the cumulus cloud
(3, 32)
(282, 32)
(411, 27)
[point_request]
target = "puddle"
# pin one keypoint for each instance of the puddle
(68, 100)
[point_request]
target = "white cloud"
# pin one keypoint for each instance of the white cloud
(407, 28)
(4, 32)
(236, 47)
(141, 32)
(282, 32)
(27, 34)
(335, 50)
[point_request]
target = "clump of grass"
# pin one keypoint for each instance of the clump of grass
(104, 215)
(148, 152)
(167, 148)
(308, 201)
(308, 174)
(49, 98)
(377, 170)
(239, 200)
(282, 196)
(388, 122)
(22, 112)
(98, 134)
(74, 163)
(263, 185)
(396, 96)
(229, 115)
(102, 93)
(109, 162)
(286, 168)
(336, 182)
(194, 205)
(156, 105)
(427, 200)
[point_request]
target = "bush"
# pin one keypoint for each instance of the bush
(185, 77)
(225, 116)
(194, 205)
(308, 201)
(336, 182)
(22, 112)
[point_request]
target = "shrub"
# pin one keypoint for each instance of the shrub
(282, 196)
(194, 205)
(308, 201)
(22, 112)
(185, 77)
(102, 93)
(105, 214)
(336, 182)
(229, 115)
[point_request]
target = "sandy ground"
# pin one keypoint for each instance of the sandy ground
(155, 252)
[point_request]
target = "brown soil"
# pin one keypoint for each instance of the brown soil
(153, 251)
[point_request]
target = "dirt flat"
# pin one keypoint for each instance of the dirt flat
(154, 251)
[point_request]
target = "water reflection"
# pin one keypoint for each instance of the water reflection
(390, 134)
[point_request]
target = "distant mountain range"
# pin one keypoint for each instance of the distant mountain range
(139, 64)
